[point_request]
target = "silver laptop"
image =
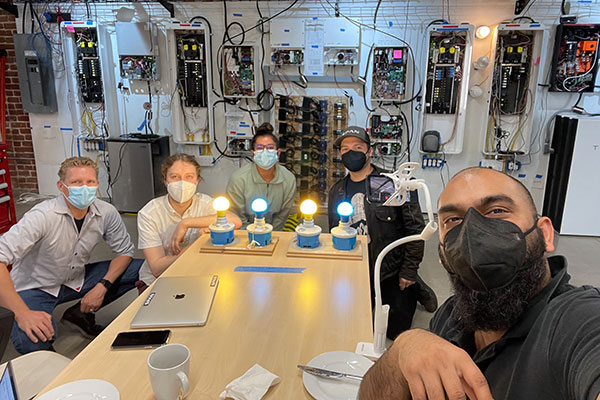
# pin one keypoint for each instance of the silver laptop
(177, 301)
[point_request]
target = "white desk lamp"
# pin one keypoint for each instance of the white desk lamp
(402, 185)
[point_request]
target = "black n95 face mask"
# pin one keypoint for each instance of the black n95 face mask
(485, 253)
(354, 160)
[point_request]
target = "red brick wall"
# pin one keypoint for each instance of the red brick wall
(18, 133)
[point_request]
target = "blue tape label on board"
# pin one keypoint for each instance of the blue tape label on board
(286, 30)
(66, 129)
(315, 73)
(521, 175)
(342, 30)
(315, 46)
(280, 270)
(285, 44)
(538, 176)
(47, 126)
(237, 14)
(390, 24)
(90, 22)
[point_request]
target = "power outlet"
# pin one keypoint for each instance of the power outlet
(498, 165)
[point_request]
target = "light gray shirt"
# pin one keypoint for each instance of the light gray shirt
(47, 251)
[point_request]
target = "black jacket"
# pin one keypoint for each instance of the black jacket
(386, 224)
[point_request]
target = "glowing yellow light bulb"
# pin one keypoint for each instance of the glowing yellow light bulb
(221, 205)
(308, 208)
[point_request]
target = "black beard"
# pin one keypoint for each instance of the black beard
(501, 308)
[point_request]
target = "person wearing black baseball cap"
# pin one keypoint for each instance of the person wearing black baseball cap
(401, 287)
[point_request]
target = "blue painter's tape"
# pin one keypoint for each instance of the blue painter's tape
(142, 126)
(534, 25)
(315, 73)
(196, 24)
(277, 270)
(521, 175)
(90, 22)
(390, 24)
(237, 14)
(314, 18)
(538, 176)
(315, 46)
(66, 129)
(584, 1)
(453, 29)
(47, 126)
(342, 30)
(285, 44)
(68, 23)
(286, 30)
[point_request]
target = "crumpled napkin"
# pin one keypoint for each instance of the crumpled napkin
(251, 386)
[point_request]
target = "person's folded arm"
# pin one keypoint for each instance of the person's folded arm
(157, 260)
(423, 366)
(202, 224)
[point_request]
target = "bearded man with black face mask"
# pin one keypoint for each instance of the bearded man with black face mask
(515, 328)
(401, 287)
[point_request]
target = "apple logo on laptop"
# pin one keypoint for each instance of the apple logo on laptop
(179, 296)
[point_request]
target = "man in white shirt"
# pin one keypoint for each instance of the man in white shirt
(49, 249)
(169, 223)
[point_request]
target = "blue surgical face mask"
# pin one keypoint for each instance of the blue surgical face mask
(82, 196)
(265, 158)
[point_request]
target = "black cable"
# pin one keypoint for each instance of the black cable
(210, 43)
(376, 10)
(562, 8)
(226, 36)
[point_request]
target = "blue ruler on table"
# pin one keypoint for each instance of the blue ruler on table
(276, 270)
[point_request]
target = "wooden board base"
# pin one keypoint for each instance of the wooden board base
(238, 246)
(325, 250)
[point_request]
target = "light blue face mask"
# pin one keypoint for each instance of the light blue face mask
(82, 196)
(265, 158)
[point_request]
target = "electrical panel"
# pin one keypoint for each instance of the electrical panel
(138, 50)
(444, 71)
(514, 77)
(239, 132)
(190, 79)
(307, 128)
(191, 68)
(389, 73)
(239, 71)
(575, 58)
(287, 42)
(36, 73)
(341, 42)
(386, 139)
(88, 64)
(446, 78)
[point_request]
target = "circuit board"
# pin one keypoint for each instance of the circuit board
(444, 71)
(280, 57)
(88, 65)
(389, 73)
(138, 67)
(575, 58)
(386, 139)
(191, 67)
(239, 77)
(307, 128)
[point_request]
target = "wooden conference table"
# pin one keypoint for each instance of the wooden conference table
(277, 320)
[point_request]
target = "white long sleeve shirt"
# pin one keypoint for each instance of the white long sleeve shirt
(47, 251)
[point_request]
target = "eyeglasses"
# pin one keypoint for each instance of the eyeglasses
(268, 147)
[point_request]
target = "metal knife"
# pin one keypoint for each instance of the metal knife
(325, 373)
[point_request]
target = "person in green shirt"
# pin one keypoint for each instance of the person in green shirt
(263, 178)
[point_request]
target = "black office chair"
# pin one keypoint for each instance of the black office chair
(6, 323)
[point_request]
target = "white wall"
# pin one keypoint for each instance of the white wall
(407, 20)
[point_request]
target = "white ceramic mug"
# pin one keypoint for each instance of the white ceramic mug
(169, 367)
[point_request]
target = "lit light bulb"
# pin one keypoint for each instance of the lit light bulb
(482, 31)
(259, 205)
(308, 208)
(221, 205)
(345, 209)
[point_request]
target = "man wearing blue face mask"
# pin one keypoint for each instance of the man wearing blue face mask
(264, 178)
(49, 249)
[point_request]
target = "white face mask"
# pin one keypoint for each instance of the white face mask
(181, 191)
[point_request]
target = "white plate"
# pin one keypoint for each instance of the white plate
(334, 389)
(87, 389)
